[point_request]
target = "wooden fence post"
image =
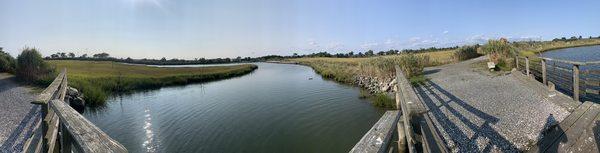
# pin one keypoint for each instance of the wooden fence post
(544, 74)
(575, 82)
(65, 139)
(517, 62)
(527, 65)
(45, 124)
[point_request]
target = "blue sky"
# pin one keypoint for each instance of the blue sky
(230, 28)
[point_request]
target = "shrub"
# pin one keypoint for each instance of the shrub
(7, 62)
(498, 50)
(31, 66)
(413, 65)
(466, 52)
(383, 100)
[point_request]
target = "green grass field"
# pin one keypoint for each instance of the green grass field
(98, 79)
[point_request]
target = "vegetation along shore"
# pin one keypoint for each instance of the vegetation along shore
(97, 79)
(375, 73)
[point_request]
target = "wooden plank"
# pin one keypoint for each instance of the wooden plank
(592, 72)
(592, 91)
(576, 82)
(592, 82)
(378, 137)
(565, 61)
(589, 140)
(49, 92)
(432, 141)
(555, 133)
(52, 134)
(85, 134)
(407, 97)
(576, 129)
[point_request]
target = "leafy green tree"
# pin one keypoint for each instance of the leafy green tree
(7, 62)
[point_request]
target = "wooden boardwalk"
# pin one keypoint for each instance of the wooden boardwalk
(579, 132)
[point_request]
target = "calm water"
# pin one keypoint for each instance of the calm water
(582, 54)
(274, 109)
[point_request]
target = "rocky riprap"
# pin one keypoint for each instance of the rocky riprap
(75, 99)
(375, 84)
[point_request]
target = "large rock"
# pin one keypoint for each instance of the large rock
(72, 92)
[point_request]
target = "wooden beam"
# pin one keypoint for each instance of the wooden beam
(544, 73)
(527, 65)
(378, 137)
(576, 82)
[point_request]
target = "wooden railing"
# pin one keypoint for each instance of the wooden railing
(379, 137)
(579, 79)
(63, 129)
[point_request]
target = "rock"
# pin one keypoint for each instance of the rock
(72, 92)
(78, 104)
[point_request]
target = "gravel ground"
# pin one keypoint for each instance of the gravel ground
(17, 115)
(484, 113)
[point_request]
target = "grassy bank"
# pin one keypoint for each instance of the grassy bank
(345, 69)
(98, 79)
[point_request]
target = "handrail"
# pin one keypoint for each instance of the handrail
(378, 138)
(63, 123)
(576, 79)
(87, 137)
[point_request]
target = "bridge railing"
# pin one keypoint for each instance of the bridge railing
(578, 79)
(63, 129)
(422, 136)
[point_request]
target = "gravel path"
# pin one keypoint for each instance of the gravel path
(17, 115)
(475, 112)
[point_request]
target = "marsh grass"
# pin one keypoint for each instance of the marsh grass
(346, 69)
(98, 79)
(383, 100)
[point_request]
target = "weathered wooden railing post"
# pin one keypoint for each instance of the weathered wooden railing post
(517, 61)
(575, 82)
(544, 74)
(527, 65)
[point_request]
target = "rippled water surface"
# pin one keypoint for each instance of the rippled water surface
(274, 109)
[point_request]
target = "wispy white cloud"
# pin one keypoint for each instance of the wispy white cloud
(370, 45)
(445, 32)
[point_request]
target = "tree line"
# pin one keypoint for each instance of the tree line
(573, 38)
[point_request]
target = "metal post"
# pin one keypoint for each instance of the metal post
(575, 82)
(527, 65)
(544, 74)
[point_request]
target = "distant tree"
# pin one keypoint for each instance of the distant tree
(360, 54)
(83, 56)
(369, 53)
(71, 55)
(163, 59)
(128, 59)
(380, 53)
(54, 56)
(62, 55)
(7, 62)
(101, 55)
(351, 53)
(295, 55)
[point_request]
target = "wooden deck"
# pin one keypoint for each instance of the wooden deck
(579, 132)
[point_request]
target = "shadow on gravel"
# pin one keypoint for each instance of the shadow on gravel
(550, 126)
(433, 96)
(431, 71)
(7, 83)
(15, 141)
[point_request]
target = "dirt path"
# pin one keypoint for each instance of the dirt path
(476, 112)
(17, 115)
